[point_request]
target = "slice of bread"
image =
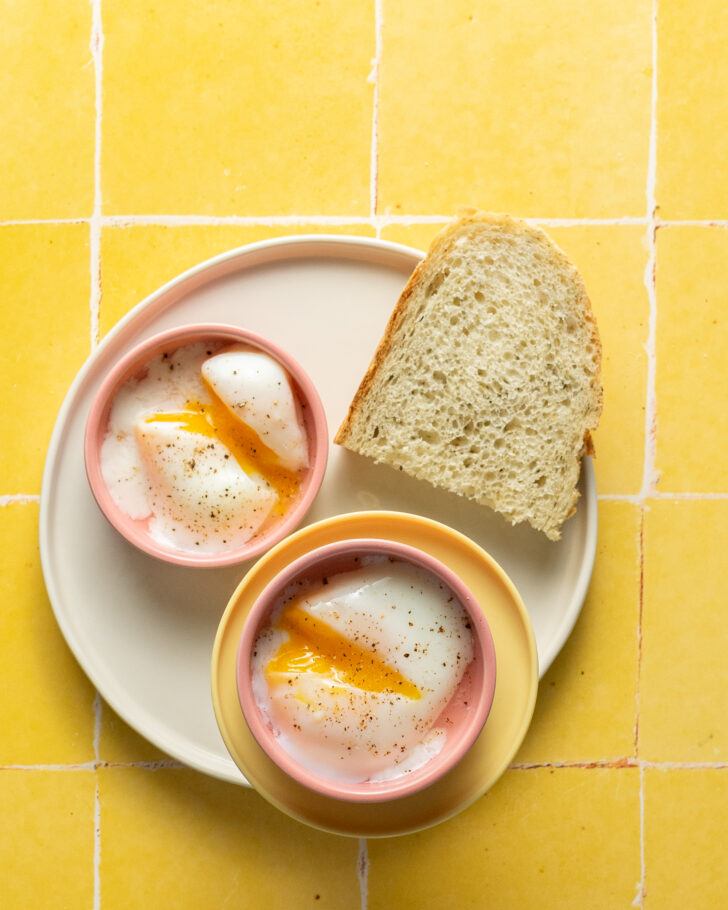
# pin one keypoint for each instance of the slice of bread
(487, 380)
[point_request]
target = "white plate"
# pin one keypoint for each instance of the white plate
(143, 630)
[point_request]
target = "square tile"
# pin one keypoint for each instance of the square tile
(539, 109)
(47, 839)
(692, 150)
(692, 351)
(137, 260)
(686, 819)
(684, 674)
(44, 321)
(48, 91)
(120, 744)
(238, 108)
(612, 261)
(46, 702)
(586, 703)
(185, 840)
(546, 838)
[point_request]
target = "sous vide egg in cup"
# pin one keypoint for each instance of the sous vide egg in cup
(205, 445)
(366, 670)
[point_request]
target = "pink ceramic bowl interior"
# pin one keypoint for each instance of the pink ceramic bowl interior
(134, 362)
(464, 716)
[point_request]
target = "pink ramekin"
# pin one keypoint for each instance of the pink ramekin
(465, 714)
(136, 531)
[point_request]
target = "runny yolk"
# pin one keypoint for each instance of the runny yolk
(214, 420)
(315, 647)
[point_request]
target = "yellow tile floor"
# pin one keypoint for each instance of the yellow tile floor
(140, 139)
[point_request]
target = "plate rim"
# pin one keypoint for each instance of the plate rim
(212, 268)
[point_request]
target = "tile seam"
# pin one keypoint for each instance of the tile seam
(620, 764)
(640, 612)
(374, 149)
(20, 222)
(613, 764)
(98, 714)
(384, 220)
(650, 475)
(97, 764)
(639, 899)
(362, 872)
(97, 46)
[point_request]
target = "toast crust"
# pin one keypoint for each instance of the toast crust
(441, 245)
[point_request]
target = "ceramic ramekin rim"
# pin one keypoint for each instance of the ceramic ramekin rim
(434, 769)
(134, 360)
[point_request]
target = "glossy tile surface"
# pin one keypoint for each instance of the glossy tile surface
(204, 843)
(684, 671)
(692, 351)
(46, 703)
(522, 845)
(505, 107)
(232, 113)
(692, 173)
(685, 830)
(47, 86)
(47, 838)
(44, 319)
(586, 707)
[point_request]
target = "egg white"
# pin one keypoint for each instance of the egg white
(348, 733)
(257, 391)
(145, 465)
(198, 493)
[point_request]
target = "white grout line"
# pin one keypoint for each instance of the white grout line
(611, 764)
(684, 765)
(650, 475)
(21, 222)
(626, 761)
(169, 220)
(98, 710)
(639, 899)
(693, 222)
(13, 498)
(81, 766)
(620, 497)
(163, 220)
(689, 496)
(587, 222)
(97, 48)
(362, 870)
(373, 78)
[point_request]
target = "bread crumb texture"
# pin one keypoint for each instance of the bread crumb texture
(487, 380)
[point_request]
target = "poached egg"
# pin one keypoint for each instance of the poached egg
(352, 673)
(180, 453)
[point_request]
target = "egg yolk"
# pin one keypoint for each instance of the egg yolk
(214, 420)
(315, 647)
